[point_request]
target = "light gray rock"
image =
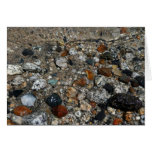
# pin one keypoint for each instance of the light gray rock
(72, 51)
(28, 100)
(39, 84)
(14, 69)
(61, 62)
(18, 80)
(31, 67)
(17, 119)
(37, 118)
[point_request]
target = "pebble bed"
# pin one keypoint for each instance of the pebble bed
(76, 76)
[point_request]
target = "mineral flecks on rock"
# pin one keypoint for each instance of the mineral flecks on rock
(125, 102)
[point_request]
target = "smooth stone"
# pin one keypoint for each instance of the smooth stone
(28, 100)
(31, 67)
(14, 69)
(52, 82)
(61, 62)
(18, 80)
(27, 52)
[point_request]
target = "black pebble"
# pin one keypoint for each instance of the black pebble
(90, 61)
(54, 100)
(127, 72)
(116, 62)
(141, 80)
(124, 102)
(70, 62)
(100, 116)
(64, 39)
(16, 93)
(109, 88)
(27, 52)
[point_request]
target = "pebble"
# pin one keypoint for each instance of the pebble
(117, 72)
(127, 72)
(22, 111)
(105, 72)
(16, 93)
(90, 61)
(102, 48)
(142, 111)
(37, 118)
(71, 92)
(96, 59)
(134, 83)
(84, 106)
(52, 82)
(27, 52)
(64, 53)
(28, 100)
(39, 84)
(81, 82)
(90, 74)
(18, 80)
(81, 96)
(109, 88)
(72, 51)
(93, 104)
(54, 100)
(59, 111)
(31, 67)
(141, 80)
(117, 121)
(78, 114)
(124, 79)
(137, 117)
(100, 116)
(111, 110)
(61, 62)
(17, 119)
(106, 56)
(14, 69)
(124, 102)
(128, 116)
(9, 122)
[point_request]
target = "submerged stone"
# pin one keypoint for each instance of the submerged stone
(125, 102)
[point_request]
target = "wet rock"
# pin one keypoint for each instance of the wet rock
(54, 100)
(109, 88)
(124, 102)
(61, 62)
(127, 72)
(27, 52)
(22, 111)
(16, 93)
(105, 71)
(28, 100)
(102, 48)
(141, 80)
(59, 111)
(134, 83)
(39, 84)
(37, 118)
(71, 92)
(124, 79)
(90, 74)
(14, 69)
(100, 116)
(31, 67)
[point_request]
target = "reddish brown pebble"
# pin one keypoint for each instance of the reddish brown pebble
(128, 116)
(123, 30)
(81, 82)
(117, 121)
(22, 111)
(138, 37)
(59, 111)
(102, 61)
(93, 104)
(131, 90)
(102, 48)
(64, 53)
(90, 75)
(105, 71)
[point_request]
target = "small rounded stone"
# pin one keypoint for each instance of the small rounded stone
(22, 111)
(59, 111)
(28, 100)
(54, 100)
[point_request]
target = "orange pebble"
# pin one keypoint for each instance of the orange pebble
(90, 75)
